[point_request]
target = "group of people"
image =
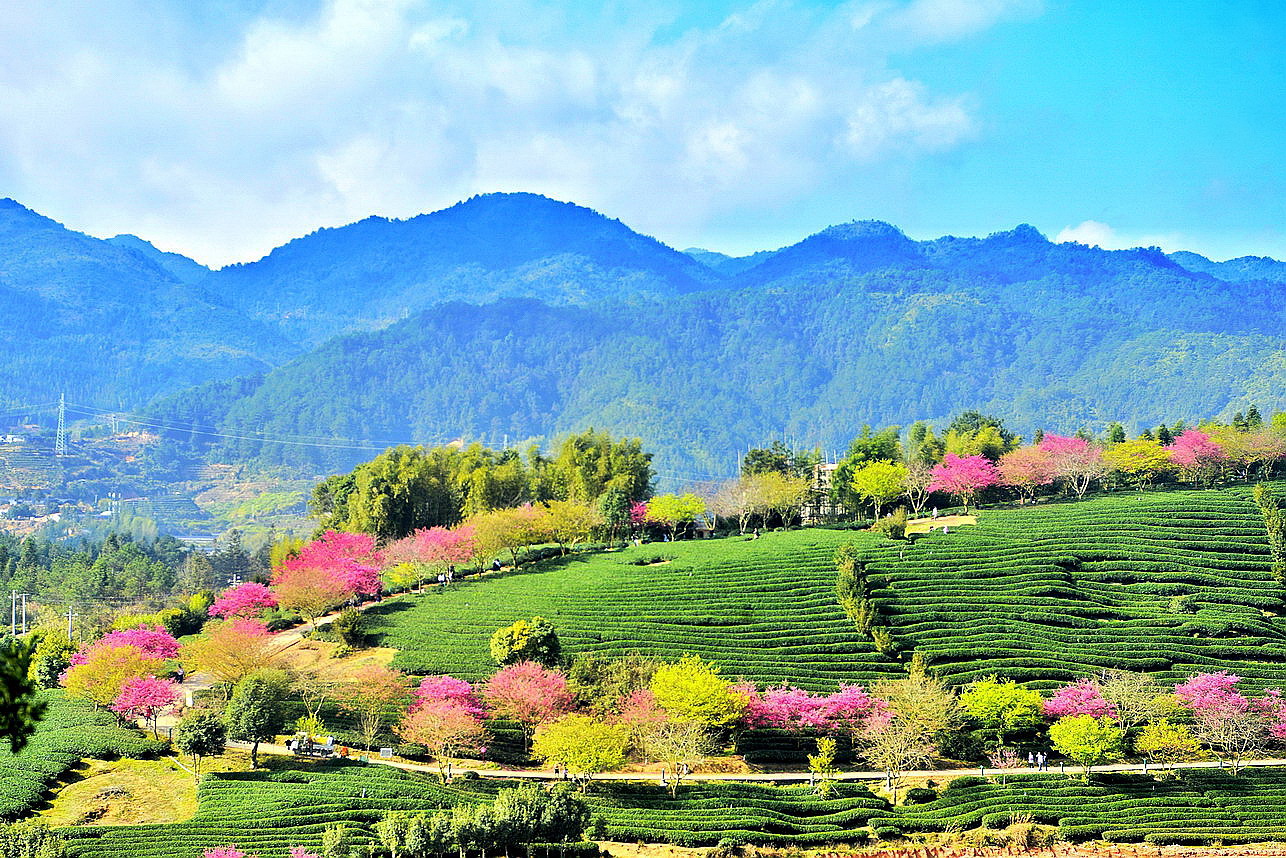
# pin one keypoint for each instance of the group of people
(1039, 759)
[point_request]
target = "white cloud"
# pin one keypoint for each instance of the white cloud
(224, 141)
(1098, 234)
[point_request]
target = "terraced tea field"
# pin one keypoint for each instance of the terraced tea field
(265, 813)
(1171, 583)
(765, 609)
(1167, 582)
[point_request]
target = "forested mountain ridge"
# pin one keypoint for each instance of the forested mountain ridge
(106, 323)
(1123, 335)
(368, 274)
(513, 315)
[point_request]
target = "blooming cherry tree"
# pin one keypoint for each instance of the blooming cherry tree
(1229, 722)
(1076, 461)
(529, 694)
(145, 697)
(1080, 698)
(964, 477)
(244, 600)
(1027, 469)
(1197, 454)
(448, 688)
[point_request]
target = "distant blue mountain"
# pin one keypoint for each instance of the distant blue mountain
(516, 315)
(1241, 269)
(368, 274)
(108, 323)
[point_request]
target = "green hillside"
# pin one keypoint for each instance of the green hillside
(1165, 582)
(765, 609)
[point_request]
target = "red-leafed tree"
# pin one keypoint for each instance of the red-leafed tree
(145, 697)
(964, 476)
(529, 694)
(244, 600)
(1027, 469)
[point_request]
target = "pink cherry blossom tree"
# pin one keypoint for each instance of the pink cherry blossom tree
(226, 852)
(1079, 698)
(244, 600)
(448, 688)
(785, 708)
(1027, 469)
(151, 641)
(1232, 724)
(964, 477)
(1197, 455)
(530, 694)
(145, 697)
(1076, 461)
(350, 557)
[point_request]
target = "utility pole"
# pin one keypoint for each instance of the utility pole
(60, 440)
(13, 612)
(69, 616)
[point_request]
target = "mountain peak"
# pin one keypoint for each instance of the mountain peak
(1024, 233)
(865, 229)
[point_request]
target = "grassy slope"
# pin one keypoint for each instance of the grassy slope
(69, 732)
(765, 609)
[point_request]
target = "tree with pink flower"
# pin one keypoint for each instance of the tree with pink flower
(227, 852)
(448, 688)
(1079, 698)
(244, 600)
(1075, 461)
(335, 567)
(529, 694)
(1233, 725)
(1197, 455)
(964, 477)
(145, 697)
(151, 641)
(785, 708)
(446, 727)
(1026, 470)
(434, 548)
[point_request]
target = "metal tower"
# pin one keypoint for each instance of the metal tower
(60, 440)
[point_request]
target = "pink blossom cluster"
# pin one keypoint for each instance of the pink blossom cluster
(454, 691)
(1080, 698)
(1195, 449)
(145, 697)
(151, 641)
(963, 476)
(244, 600)
(434, 546)
(1214, 697)
(350, 557)
(789, 708)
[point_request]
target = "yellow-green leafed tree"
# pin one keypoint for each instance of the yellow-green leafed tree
(879, 482)
(582, 745)
(1140, 460)
(692, 690)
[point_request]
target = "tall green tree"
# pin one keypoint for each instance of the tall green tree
(257, 712)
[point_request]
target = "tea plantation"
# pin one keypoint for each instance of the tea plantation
(1171, 583)
(764, 609)
(69, 732)
(266, 812)
(1166, 582)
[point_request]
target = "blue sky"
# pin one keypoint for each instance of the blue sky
(223, 128)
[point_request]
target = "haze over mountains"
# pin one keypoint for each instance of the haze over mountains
(512, 315)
